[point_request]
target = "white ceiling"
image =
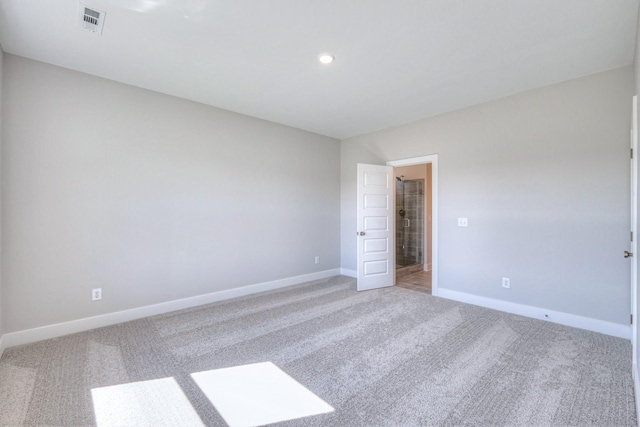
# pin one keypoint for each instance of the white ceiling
(397, 61)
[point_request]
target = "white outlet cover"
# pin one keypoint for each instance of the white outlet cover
(463, 222)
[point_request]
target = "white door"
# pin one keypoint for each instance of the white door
(375, 233)
(633, 247)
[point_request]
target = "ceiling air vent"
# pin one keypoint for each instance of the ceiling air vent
(91, 19)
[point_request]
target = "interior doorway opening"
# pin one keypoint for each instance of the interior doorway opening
(410, 206)
(415, 223)
(413, 227)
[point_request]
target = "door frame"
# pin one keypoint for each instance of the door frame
(433, 159)
(634, 247)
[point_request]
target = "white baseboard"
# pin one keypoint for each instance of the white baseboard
(59, 329)
(1, 345)
(595, 325)
(348, 273)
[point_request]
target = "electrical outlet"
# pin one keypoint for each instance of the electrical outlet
(96, 294)
(463, 222)
(317, 259)
(506, 282)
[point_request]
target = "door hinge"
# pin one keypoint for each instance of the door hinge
(632, 153)
(631, 320)
(632, 236)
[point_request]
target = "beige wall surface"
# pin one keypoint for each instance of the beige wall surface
(150, 197)
(411, 172)
(543, 178)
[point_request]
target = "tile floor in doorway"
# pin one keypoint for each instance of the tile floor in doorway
(420, 281)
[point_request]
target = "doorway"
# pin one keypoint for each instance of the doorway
(410, 223)
(415, 220)
(412, 227)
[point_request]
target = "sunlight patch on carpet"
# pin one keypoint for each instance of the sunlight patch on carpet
(258, 394)
(147, 403)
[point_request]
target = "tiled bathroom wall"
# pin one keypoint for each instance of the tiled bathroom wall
(410, 226)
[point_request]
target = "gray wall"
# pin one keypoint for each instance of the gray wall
(150, 197)
(543, 177)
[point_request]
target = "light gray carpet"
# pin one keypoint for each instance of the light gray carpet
(389, 357)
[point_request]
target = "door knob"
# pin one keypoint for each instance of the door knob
(627, 254)
(360, 233)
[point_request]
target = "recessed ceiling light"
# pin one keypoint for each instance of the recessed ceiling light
(326, 58)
